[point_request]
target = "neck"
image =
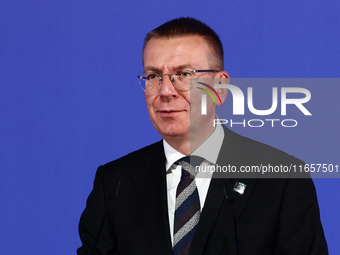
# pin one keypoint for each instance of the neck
(188, 144)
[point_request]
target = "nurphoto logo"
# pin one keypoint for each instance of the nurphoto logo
(238, 106)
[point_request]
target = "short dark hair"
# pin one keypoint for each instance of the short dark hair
(186, 27)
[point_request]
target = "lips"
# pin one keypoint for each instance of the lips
(169, 113)
(169, 110)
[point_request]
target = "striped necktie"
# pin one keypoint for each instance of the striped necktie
(187, 207)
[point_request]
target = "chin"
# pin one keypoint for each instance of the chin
(173, 133)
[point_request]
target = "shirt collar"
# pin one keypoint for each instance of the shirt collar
(208, 150)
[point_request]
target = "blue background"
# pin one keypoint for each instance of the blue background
(70, 99)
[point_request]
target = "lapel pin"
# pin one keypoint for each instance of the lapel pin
(239, 187)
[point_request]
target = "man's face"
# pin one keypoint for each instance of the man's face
(169, 109)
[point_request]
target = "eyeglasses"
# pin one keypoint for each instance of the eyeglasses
(180, 79)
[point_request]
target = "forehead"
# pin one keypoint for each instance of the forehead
(168, 53)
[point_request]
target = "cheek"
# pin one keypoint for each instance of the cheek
(186, 98)
(195, 99)
(197, 106)
(150, 100)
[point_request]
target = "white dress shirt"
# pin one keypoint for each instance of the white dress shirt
(208, 150)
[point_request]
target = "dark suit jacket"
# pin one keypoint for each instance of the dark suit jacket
(274, 216)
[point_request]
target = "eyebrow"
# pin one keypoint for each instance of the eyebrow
(155, 69)
(150, 68)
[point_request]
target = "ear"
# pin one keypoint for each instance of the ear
(222, 78)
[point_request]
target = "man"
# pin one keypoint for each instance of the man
(145, 202)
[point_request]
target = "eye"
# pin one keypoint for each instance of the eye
(183, 73)
(151, 76)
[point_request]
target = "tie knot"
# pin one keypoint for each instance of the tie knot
(189, 163)
(193, 160)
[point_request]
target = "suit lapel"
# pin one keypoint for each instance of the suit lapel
(151, 193)
(236, 152)
(233, 153)
(210, 212)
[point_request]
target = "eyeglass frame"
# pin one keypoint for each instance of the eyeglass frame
(141, 77)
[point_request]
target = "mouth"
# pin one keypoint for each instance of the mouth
(168, 113)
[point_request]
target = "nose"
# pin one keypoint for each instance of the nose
(166, 88)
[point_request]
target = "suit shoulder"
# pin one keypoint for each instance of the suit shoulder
(135, 158)
(259, 150)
